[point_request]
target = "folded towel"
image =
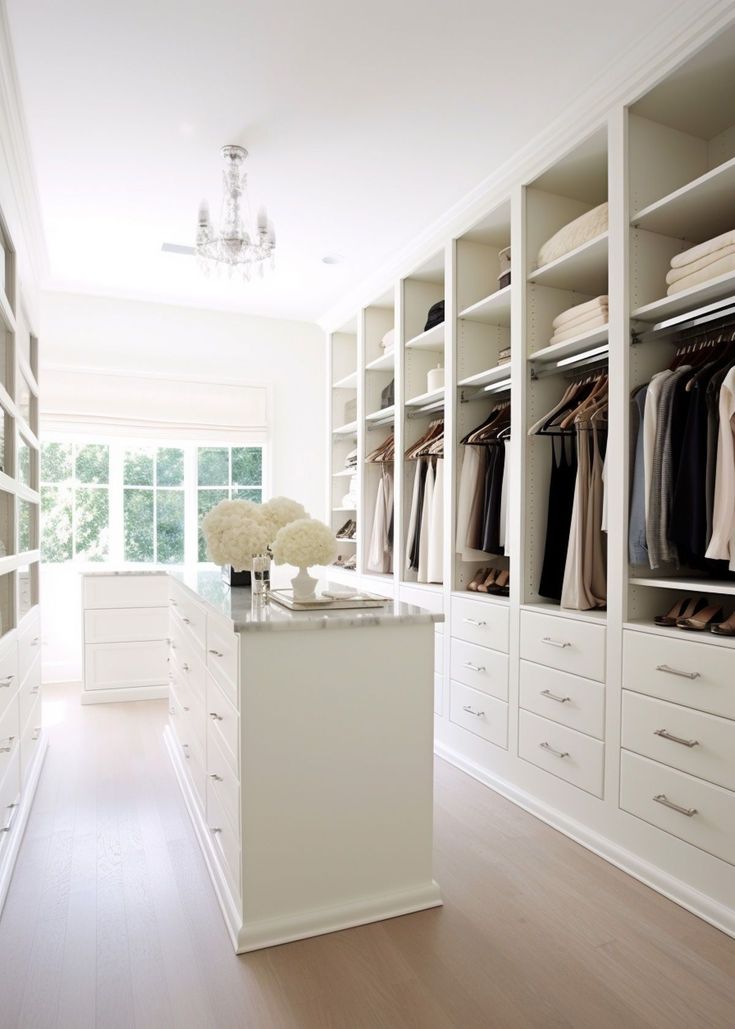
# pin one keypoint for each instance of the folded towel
(573, 235)
(703, 249)
(580, 329)
(712, 271)
(388, 341)
(580, 312)
(689, 269)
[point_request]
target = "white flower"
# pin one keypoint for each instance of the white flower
(303, 543)
(279, 511)
(235, 532)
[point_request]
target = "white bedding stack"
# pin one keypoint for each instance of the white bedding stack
(702, 263)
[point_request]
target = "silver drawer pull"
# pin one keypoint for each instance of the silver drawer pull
(666, 735)
(215, 717)
(9, 745)
(36, 733)
(7, 680)
(35, 641)
(172, 601)
(475, 621)
(661, 798)
(561, 644)
(475, 668)
(214, 828)
(217, 778)
(555, 696)
(217, 653)
(187, 621)
(551, 750)
(172, 710)
(677, 671)
(185, 748)
(185, 666)
(186, 708)
(35, 690)
(471, 711)
(12, 809)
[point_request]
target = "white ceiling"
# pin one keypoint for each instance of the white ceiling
(364, 121)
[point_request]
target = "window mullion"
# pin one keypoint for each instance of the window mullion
(117, 544)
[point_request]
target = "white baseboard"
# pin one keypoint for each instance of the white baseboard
(271, 932)
(706, 907)
(123, 694)
(12, 845)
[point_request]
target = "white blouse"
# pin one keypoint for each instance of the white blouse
(722, 544)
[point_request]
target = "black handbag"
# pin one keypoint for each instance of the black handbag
(388, 395)
(435, 316)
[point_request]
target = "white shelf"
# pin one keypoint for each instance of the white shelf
(383, 363)
(426, 398)
(710, 638)
(496, 374)
(344, 509)
(719, 587)
(432, 339)
(348, 382)
(702, 209)
(345, 473)
(687, 300)
(386, 414)
(583, 269)
(490, 598)
(571, 347)
(350, 429)
(493, 310)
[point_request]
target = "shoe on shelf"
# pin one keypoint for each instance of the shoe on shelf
(488, 581)
(501, 586)
(685, 607)
(478, 577)
(704, 620)
(726, 628)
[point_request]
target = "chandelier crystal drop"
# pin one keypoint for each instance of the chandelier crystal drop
(241, 246)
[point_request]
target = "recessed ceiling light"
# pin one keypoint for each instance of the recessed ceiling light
(333, 259)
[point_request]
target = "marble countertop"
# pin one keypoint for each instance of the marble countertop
(235, 603)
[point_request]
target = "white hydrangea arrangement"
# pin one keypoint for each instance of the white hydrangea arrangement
(236, 531)
(303, 543)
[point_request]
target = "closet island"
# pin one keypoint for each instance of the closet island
(303, 746)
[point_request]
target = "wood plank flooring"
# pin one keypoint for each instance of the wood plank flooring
(111, 921)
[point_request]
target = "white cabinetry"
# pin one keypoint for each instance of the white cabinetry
(125, 627)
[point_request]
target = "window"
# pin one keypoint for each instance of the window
(137, 502)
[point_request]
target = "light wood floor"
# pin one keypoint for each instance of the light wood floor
(111, 921)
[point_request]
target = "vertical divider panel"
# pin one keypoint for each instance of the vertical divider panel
(362, 526)
(400, 502)
(519, 524)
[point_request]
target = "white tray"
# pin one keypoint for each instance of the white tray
(360, 600)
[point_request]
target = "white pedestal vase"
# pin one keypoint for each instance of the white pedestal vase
(304, 585)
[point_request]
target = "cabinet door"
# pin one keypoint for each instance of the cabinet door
(109, 666)
(126, 625)
(125, 591)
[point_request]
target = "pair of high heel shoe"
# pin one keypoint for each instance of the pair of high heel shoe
(491, 580)
(348, 530)
(696, 614)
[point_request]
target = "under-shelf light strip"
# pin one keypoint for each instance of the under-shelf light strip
(497, 387)
(584, 356)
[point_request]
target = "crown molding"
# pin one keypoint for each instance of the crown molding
(680, 33)
(27, 224)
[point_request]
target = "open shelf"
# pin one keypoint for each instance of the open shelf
(687, 300)
(486, 378)
(493, 310)
(583, 269)
(432, 339)
(384, 363)
(710, 638)
(571, 347)
(386, 414)
(723, 587)
(350, 429)
(426, 398)
(695, 212)
(348, 382)
(550, 608)
(344, 508)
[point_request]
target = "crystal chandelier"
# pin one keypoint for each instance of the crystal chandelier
(239, 245)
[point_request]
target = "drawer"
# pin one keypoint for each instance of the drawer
(484, 669)
(479, 713)
(9, 735)
(190, 671)
(223, 657)
(9, 798)
(125, 591)
(193, 715)
(684, 671)
(704, 815)
(29, 740)
(109, 666)
(126, 624)
(192, 753)
(564, 698)
(225, 839)
(29, 692)
(482, 622)
(568, 644)
(223, 723)
(29, 647)
(221, 779)
(703, 745)
(439, 694)
(192, 614)
(9, 678)
(565, 753)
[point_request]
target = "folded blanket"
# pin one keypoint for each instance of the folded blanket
(689, 269)
(580, 329)
(573, 235)
(580, 312)
(703, 249)
(721, 267)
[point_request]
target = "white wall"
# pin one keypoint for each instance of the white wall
(79, 331)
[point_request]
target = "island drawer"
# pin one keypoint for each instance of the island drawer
(103, 591)
(225, 837)
(221, 779)
(483, 622)
(191, 613)
(122, 625)
(119, 665)
(223, 656)
(223, 722)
